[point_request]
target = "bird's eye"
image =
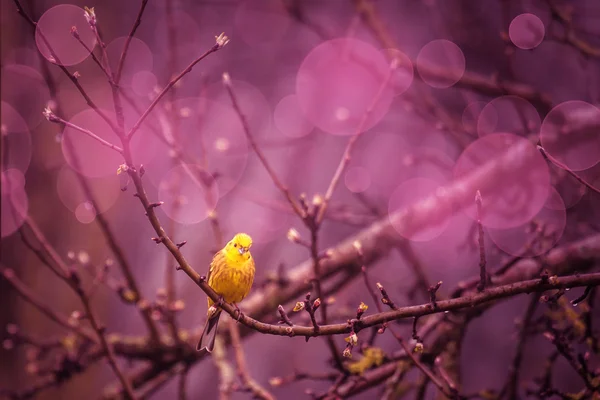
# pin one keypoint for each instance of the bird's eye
(235, 245)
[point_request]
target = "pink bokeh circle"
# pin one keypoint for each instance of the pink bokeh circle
(571, 134)
(85, 154)
(15, 203)
(471, 113)
(261, 23)
(289, 119)
(441, 63)
(139, 58)
(591, 176)
(526, 31)
(508, 114)
(25, 89)
(537, 236)
(55, 27)
(339, 81)
(357, 179)
(85, 212)
(185, 199)
(402, 76)
(517, 198)
(212, 131)
(143, 83)
(408, 194)
(16, 139)
(251, 101)
(106, 190)
(570, 189)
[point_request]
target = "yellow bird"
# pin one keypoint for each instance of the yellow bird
(231, 275)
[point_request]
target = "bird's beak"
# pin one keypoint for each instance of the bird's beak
(242, 250)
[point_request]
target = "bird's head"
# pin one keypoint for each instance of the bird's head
(239, 247)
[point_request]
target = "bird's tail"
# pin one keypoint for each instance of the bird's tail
(207, 339)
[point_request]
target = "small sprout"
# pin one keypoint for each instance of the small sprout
(158, 240)
(122, 168)
(181, 244)
(74, 32)
(362, 307)
(76, 75)
(293, 235)
(299, 306)
(276, 381)
(352, 339)
(50, 116)
(347, 352)
(221, 40)
(157, 204)
(553, 280)
(316, 304)
(90, 16)
(418, 348)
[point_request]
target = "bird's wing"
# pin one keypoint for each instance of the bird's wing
(213, 264)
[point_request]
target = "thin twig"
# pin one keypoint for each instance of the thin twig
(134, 28)
(348, 151)
(236, 343)
(569, 170)
(171, 83)
(283, 189)
(482, 261)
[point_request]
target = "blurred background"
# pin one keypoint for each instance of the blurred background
(469, 79)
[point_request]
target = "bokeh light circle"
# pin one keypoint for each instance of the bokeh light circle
(85, 213)
(212, 131)
(251, 101)
(338, 81)
(85, 154)
(526, 31)
(185, 198)
(106, 190)
(403, 75)
(143, 83)
(471, 113)
(517, 198)
(357, 179)
(409, 193)
(570, 189)
(15, 203)
(571, 134)
(537, 236)
(16, 139)
(55, 26)
(139, 58)
(289, 119)
(261, 23)
(508, 114)
(25, 89)
(441, 63)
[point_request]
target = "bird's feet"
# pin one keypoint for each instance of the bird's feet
(239, 312)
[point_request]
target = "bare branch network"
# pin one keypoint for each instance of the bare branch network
(426, 336)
